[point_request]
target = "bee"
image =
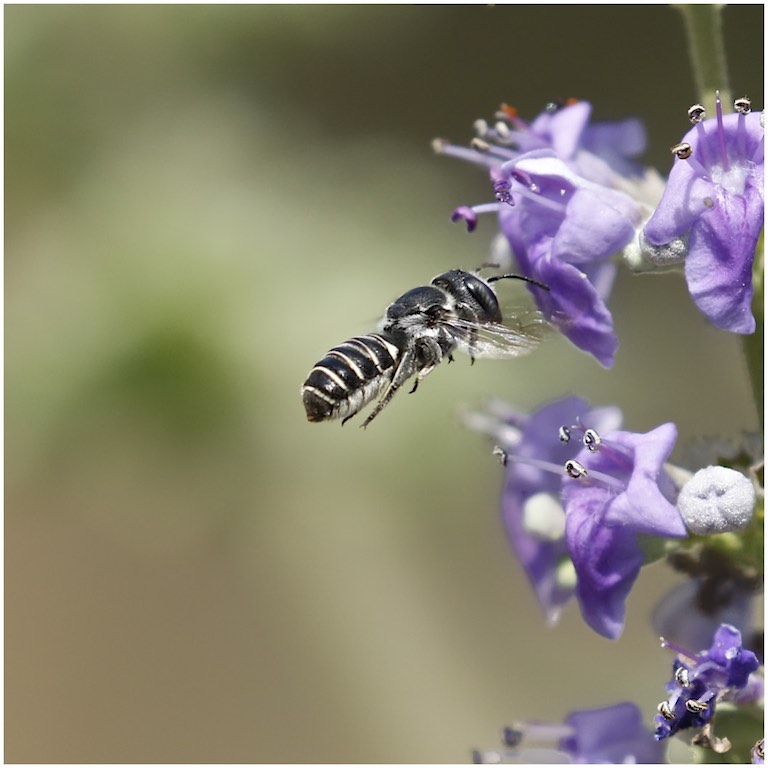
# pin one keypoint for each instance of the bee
(457, 310)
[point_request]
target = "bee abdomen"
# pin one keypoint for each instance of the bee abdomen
(348, 377)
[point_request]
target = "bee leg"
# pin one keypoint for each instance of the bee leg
(471, 347)
(429, 354)
(404, 371)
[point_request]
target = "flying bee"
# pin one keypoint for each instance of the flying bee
(457, 310)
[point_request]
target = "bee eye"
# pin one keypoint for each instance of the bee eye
(484, 296)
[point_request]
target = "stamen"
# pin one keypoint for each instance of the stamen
(684, 151)
(502, 454)
(511, 737)
(574, 469)
(682, 677)
(531, 194)
(501, 188)
(503, 130)
(702, 144)
(721, 132)
(481, 127)
(665, 710)
(695, 706)
(743, 105)
(591, 440)
(696, 113)
(741, 130)
(679, 650)
(480, 144)
(444, 147)
(578, 472)
(564, 433)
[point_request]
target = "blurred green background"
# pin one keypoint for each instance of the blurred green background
(200, 201)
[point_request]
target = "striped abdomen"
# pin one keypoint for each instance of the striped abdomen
(348, 377)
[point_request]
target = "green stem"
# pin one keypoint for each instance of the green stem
(703, 26)
(753, 345)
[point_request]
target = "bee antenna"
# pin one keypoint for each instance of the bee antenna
(518, 277)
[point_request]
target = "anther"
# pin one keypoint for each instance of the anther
(502, 129)
(696, 113)
(564, 434)
(502, 454)
(694, 706)
(438, 145)
(574, 469)
(665, 711)
(511, 737)
(591, 440)
(502, 191)
(480, 145)
(481, 127)
(682, 150)
(682, 678)
(743, 105)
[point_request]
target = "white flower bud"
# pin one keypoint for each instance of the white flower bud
(716, 500)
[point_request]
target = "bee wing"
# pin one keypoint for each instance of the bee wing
(494, 340)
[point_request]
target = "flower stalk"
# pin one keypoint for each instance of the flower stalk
(704, 30)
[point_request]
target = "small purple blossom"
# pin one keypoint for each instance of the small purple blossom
(614, 490)
(531, 509)
(701, 680)
(713, 201)
(612, 735)
(556, 183)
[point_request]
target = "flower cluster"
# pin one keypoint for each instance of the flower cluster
(700, 681)
(586, 504)
(569, 197)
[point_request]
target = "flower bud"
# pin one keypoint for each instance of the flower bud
(716, 500)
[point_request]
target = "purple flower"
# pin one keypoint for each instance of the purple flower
(561, 211)
(701, 680)
(563, 231)
(616, 489)
(612, 735)
(713, 201)
(531, 509)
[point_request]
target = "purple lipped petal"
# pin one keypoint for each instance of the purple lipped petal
(594, 227)
(727, 651)
(562, 128)
(607, 562)
(718, 268)
(574, 305)
(645, 505)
